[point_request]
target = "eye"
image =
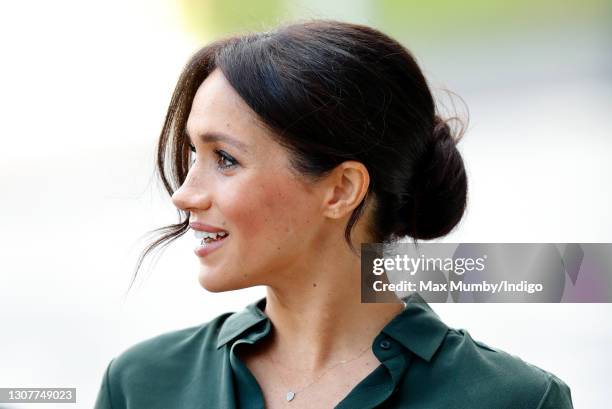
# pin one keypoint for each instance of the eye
(225, 161)
(192, 156)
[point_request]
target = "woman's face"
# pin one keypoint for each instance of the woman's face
(242, 183)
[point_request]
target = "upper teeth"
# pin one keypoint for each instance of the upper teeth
(205, 234)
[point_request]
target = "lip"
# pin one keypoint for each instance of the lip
(203, 251)
(204, 227)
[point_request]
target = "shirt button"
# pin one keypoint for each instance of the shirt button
(385, 344)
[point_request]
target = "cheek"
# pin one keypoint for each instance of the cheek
(269, 210)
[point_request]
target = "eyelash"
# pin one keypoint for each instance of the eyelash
(222, 156)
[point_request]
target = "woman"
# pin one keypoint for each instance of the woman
(287, 149)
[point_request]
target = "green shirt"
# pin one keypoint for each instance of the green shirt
(423, 364)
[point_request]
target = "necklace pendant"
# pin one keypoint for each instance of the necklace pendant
(290, 396)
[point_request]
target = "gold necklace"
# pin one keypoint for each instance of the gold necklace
(290, 395)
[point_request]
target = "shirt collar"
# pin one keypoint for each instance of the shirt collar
(240, 322)
(417, 327)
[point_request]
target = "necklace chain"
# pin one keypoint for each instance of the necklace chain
(291, 393)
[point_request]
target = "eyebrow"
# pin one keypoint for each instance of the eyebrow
(210, 137)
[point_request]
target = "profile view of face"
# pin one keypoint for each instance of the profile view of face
(242, 183)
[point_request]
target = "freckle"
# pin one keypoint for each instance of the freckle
(278, 248)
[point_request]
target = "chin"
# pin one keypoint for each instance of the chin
(219, 284)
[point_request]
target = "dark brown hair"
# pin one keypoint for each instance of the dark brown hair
(331, 91)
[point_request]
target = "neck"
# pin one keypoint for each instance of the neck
(317, 315)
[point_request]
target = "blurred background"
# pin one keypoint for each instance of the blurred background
(84, 90)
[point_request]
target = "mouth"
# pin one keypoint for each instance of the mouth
(210, 237)
(209, 241)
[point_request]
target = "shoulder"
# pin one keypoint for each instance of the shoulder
(175, 346)
(160, 367)
(496, 378)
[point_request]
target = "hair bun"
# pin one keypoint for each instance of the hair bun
(439, 193)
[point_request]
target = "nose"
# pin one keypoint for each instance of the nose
(191, 195)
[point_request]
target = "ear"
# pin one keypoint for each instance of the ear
(346, 187)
